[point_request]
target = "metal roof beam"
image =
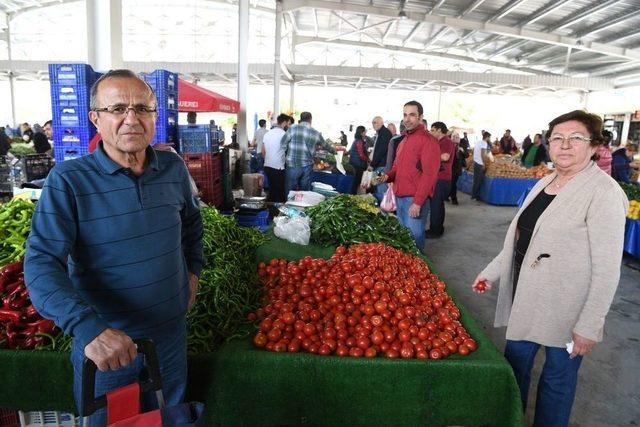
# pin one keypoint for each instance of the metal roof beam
(471, 7)
(412, 33)
(437, 6)
(343, 19)
(468, 24)
(304, 40)
(621, 36)
(608, 24)
(360, 30)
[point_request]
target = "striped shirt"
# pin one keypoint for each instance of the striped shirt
(300, 143)
(108, 249)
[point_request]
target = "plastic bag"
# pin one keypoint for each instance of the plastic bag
(365, 182)
(295, 230)
(388, 203)
(304, 198)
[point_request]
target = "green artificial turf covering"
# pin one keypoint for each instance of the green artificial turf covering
(241, 385)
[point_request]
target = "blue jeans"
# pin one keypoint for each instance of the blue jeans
(298, 178)
(171, 348)
(557, 385)
(380, 188)
(415, 225)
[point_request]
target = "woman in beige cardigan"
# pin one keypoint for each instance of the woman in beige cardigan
(559, 267)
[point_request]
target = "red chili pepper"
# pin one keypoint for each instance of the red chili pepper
(44, 326)
(12, 269)
(10, 315)
(30, 312)
(8, 299)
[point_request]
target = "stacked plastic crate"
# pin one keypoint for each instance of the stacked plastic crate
(200, 149)
(165, 86)
(70, 95)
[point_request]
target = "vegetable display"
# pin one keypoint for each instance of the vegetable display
(229, 285)
(633, 194)
(20, 149)
(21, 327)
(506, 166)
(369, 300)
(346, 220)
(15, 223)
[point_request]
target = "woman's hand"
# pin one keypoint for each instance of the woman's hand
(581, 345)
(481, 285)
(383, 177)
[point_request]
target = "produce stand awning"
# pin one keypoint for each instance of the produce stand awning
(195, 98)
(241, 385)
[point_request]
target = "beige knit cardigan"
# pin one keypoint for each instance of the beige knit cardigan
(582, 231)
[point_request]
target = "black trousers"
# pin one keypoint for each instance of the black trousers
(276, 179)
(478, 176)
(437, 206)
(356, 179)
(453, 194)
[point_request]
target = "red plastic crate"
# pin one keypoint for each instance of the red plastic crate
(9, 418)
(206, 171)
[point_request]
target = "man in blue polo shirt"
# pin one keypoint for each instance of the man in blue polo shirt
(115, 248)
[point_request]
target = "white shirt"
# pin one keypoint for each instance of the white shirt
(274, 154)
(259, 137)
(477, 151)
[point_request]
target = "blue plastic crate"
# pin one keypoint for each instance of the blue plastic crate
(62, 154)
(197, 139)
(167, 100)
(70, 115)
(72, 74)
(161, 80)
(70, 95)
(260, 220)
(73, 135)
(166, 127)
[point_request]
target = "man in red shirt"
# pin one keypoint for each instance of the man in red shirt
(414, 172)
(443, 187)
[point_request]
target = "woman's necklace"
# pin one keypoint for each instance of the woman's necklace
(557, 184)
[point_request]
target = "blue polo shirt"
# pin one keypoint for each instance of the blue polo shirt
(109, 249)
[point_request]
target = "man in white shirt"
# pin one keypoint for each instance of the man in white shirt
(274, 157)
(480, 153)
(257, 142)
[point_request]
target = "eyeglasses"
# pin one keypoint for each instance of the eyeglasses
(123, 110)
(573, 139)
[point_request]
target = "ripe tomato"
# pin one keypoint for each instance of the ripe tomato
(355, 352)
(435, 354)
(370, 352)
(260, 340)
(342, 351)
(471, 343)
(463, 350)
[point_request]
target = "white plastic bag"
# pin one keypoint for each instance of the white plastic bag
(295, 230)
(304, 198)
(365, 182)
(388, 203)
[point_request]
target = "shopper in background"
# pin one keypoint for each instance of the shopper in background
(507, 143)
(480, 158)
(459, 164)
(26, 132)
(604, 152)
(414, 173)
(622, 165)
(464, 142)
(443, 187)
(535, 153)
(5, 142)
(379, 155)
(299, 143)
(343, 139)
(392, 129)
(274, 159)
(394, 143)
(358, 157)
(115, 247)
(41, 143)
(527, 142)
(559, 267)
(259, 134)
(192, 118)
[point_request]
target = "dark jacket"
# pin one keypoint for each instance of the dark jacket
(392, 150)
(620, 166)
(460, 159)
(381, 146)
(541, 155)
(5, 144)
(41, 143)
(356, 152)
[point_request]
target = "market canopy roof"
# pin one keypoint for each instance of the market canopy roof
(192, 97)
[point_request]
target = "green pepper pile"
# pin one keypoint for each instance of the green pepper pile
(342, 220)
(632, 191)
(21, 149)
(229, 284)
(15, 223)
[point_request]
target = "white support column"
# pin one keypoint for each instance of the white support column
(104, 34)
(625, 128)
(243, 73)
(276, 62)
(439, 101)
(12, 95)
(292, 96)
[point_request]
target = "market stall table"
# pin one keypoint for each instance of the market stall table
(496, 190)
(241, 385)
(632, 237)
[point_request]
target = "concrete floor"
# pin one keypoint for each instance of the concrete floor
(608, 391)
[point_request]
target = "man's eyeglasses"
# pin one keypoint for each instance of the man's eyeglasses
(573, 139)
(123, 110)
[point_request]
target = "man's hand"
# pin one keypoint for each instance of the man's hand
(581, 345)
(194, 284)
(481, 285)
(414, 210)
(383, 178)
(111, 350)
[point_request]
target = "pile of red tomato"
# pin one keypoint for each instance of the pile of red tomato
(369, 300)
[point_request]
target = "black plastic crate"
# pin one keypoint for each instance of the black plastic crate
(36, 166)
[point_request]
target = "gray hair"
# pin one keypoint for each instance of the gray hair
(114, 74)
